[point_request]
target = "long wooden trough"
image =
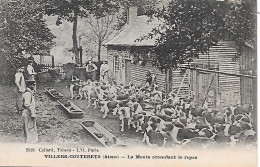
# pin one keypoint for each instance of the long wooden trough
(72, 110)
(53, 93)
(106, 138)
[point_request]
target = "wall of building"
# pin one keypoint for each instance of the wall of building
(116, 61)
(118, 57)
(221, 90)
(138, 74)
(227, 88)
(248, 66)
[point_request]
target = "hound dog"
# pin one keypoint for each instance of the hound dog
(76, 87)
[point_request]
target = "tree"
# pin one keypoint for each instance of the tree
(240, 22)
(22, 28)
(190, 27)
(101, 28)
(70, 10)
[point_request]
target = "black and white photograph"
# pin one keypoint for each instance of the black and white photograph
(128, 82)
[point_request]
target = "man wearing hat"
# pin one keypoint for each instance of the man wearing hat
(30, 70)
(104, 68)
(91, 70)
(20, 87)
(29, 113)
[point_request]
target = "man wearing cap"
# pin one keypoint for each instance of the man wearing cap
(21, 87)
(29, 113)
(104, 68)
(91, 70)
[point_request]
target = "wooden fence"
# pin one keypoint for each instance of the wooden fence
(46, 67)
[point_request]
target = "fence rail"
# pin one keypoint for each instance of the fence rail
(46, 67)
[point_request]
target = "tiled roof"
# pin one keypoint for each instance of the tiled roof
(129, 34)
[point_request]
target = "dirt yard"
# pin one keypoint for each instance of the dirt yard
(54, 126)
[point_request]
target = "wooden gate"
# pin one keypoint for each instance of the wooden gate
(181, 83)
(205, 87)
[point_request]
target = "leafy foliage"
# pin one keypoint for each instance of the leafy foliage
(83, 8)
(190, 27)
(22, 28)
(240, 23)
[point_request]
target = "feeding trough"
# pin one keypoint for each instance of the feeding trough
(106, 138)
(54, 93)
(72, 110)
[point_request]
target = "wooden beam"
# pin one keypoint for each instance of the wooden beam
(178, 86)
(218, 72)
(208, 91)
(181, 83)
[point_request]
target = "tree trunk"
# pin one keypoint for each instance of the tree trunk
(99, 49)
(74, 36)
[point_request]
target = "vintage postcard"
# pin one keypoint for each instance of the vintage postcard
(128, 83)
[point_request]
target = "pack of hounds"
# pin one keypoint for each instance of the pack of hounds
(166, 120)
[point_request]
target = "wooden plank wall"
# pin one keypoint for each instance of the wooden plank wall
(177, 78)
(247, 67)
(227, 52)
(200, 85)
(138, 74)
(119, 70)
(228, 87)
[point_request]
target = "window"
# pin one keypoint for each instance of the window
(116, 64)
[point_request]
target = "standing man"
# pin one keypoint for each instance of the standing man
(30, 72)
(104, 68)
(29, 113)
(149, 78)
(91, 70)
(20, 88)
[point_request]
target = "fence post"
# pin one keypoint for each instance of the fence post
(80, 56)
(254, 102)
(211, 82)
(169, 80)
(52, 61)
